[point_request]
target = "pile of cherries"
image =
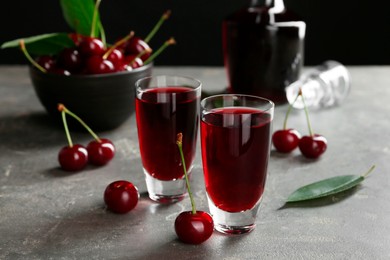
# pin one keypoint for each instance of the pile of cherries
(91, 56)
(287, 139)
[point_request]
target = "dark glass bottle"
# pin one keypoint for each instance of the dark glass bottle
(263, 46)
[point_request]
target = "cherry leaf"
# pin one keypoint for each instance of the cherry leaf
(44, 44)
(79, 16)
(327, 187)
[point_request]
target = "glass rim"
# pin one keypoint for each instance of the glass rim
(267, 101)
(197, 86)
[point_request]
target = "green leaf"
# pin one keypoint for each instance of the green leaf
(327, 187)
(79, 15)
(45, 44)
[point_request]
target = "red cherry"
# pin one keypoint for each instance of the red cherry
(133, 61)
(46, 61)
(70, 59)
(50, 65)
(90, 46)
(123, 67)
(121, 196)
(135, 46)
(98, 65)
(286, 140)
(73, 158)
(116, 57)
(194, 228)
(312, 146)
(100, 153)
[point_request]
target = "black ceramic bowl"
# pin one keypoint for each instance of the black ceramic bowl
(103, 101)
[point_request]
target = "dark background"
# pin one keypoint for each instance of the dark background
(352, 32)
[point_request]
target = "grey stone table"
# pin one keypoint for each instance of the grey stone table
(48, 214)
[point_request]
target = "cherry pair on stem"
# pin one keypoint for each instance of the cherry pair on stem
(74, 157)
(286, 140)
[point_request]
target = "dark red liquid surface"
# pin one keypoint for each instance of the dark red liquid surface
(162, 113)
(262, 53)
(235, 152)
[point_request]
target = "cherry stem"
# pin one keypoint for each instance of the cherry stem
(288, 112)
(179, 143)
(161, 49)
(61, 107)
(103, 35)
(369, 171)
(306, 112)
(118, 43)
(33, 62)
(164, 17)
(94, 18)
(148, 50)
(63, 114)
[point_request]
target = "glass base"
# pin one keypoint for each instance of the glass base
(165, 191)
(233, 222)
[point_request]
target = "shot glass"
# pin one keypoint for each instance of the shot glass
(166, 106)
(235, 142)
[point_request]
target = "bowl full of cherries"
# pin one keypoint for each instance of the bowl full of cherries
(94, 78)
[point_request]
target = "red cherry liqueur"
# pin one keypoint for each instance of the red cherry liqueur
(263, 47)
